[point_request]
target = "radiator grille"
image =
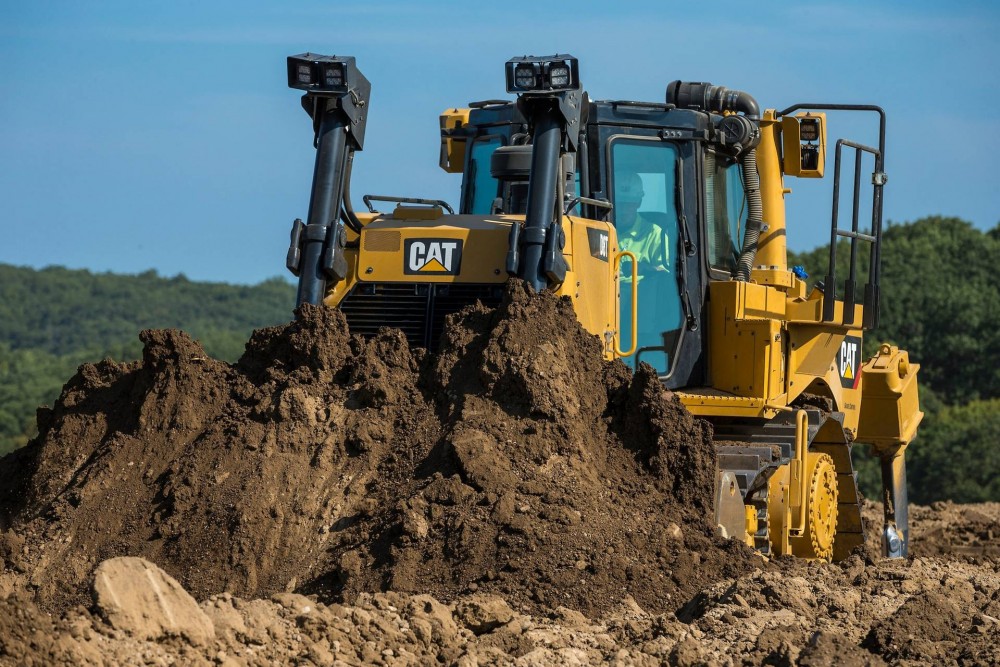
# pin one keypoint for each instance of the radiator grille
(419, 310)
(381, 241)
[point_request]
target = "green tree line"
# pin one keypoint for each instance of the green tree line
(940, 300)
(55, 319)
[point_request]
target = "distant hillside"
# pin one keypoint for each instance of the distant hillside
(55, 319)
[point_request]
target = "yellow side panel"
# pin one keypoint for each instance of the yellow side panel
(745, 341)
(460, 248)
(812, 351)
(826, 360)
(591, 282)
(746, 358)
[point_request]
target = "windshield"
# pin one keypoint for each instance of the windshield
(484, 186)
(643, 183)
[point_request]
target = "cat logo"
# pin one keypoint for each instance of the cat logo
(439, 257)
(598, 241)
(849, 362)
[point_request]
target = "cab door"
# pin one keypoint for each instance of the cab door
(649, 211)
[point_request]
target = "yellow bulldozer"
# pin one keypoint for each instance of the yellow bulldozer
(664, 224)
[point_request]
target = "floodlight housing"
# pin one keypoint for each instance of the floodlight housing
(322, 74)
(546, 74)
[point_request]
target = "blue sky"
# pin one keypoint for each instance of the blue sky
(162, 135)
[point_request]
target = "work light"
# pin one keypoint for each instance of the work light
(333, 75)
(313, 72)
(524, 76)
(304, 75)
(547, 74)
(808, 129)
(559, 76)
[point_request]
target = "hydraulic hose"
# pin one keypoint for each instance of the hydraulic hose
(347, 214)
(755, 213)
(712, 226)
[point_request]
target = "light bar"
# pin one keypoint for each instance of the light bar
(547, 74)
(322, 74)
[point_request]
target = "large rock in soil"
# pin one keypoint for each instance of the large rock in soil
(139, 598)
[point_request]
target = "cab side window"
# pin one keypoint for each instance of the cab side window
(483, 187)
(725, 210)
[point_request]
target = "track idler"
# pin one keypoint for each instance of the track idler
(809, 531)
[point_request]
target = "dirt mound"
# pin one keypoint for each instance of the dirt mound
(967, 531)
(225, 475)
(558, 478)
(516, 461)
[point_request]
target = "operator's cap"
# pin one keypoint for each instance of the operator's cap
(628, 189)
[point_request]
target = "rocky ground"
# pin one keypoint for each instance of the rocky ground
(933, 610)
(513, 499)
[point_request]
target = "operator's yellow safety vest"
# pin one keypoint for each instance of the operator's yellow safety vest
(647, 242)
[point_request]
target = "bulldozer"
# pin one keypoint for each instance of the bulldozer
(664, 224)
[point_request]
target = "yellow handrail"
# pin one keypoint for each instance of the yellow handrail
(635, 305)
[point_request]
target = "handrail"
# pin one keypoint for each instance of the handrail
(368, 199)
(635, 305)
(602, 203)
(872, 296)
(830, 286)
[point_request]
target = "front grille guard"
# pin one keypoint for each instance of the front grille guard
(419, 310)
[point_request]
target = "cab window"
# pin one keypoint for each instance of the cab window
(725, 211)
(483, 187)
(643, 186)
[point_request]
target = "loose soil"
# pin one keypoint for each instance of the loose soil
(512, 497)
(918, 611)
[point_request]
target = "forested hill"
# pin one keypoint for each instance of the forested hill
(55, 319)
(61, 311)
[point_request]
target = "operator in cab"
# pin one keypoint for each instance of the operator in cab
(643, 238)
(658, 304)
